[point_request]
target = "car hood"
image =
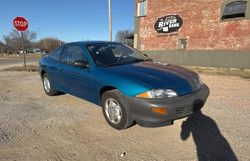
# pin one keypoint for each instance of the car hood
(158, 76)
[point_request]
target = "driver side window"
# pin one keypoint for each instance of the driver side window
(73, 53)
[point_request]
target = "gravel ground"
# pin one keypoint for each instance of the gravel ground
(34, 126)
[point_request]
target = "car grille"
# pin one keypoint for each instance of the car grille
(183, 110)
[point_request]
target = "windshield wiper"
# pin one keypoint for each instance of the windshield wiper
(108, 65)
(141, 60)
(129, 62)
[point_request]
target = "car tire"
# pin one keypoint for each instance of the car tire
(48, 87)
(113, 104)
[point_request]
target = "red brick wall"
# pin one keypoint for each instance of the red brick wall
(202, 27)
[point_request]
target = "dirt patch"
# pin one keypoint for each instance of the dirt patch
(4, 136)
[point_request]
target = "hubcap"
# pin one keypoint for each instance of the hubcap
(46, 84)
(113, 110)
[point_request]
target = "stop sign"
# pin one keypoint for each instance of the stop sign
(20, 23)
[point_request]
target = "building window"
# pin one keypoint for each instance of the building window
(236, 9)
(142, 8)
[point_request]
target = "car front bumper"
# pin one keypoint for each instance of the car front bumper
(177, 107)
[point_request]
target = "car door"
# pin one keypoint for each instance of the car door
(72, 79)
(51, 65)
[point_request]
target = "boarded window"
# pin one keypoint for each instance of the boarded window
(182, 43)
(142, 8)
(234, 10)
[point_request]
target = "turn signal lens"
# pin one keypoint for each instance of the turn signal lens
(144, 95)
(161, 111)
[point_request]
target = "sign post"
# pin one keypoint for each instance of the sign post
(21, 24)
(24, 54)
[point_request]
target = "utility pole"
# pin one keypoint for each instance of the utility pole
(110, 20)
(60, 33)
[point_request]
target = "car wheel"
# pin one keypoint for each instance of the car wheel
(47, 86)
(116, 111)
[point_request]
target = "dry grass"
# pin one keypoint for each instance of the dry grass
(28, 68)
(33, 55)
(244, 73)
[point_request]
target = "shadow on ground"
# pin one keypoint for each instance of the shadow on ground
(210, 143)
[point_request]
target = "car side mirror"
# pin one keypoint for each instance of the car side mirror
(81, 64)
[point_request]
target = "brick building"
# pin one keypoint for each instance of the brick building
(205, 33)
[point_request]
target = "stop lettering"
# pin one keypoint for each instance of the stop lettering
(20, 23)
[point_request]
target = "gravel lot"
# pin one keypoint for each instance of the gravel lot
(34, 126)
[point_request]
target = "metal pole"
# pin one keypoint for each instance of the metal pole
(110, 20)
(60, 34)
(24, 56)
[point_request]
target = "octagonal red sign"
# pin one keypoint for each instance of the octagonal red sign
(20, 23)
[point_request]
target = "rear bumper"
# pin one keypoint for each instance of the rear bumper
(177, 107)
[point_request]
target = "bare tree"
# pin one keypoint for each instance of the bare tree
(14, 39)
(48, 44)
(125, 36)
(1, 47)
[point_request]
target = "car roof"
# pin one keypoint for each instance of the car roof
(90, 42)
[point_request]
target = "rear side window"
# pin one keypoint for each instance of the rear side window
(73, 53)
(56, 54)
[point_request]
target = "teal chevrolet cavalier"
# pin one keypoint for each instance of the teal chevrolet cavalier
(129, 86)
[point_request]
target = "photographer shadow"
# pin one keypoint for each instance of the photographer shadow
(210, 144)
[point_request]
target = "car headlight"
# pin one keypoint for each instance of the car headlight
(158, 93)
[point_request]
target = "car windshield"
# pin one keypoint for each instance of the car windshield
(110, 54)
